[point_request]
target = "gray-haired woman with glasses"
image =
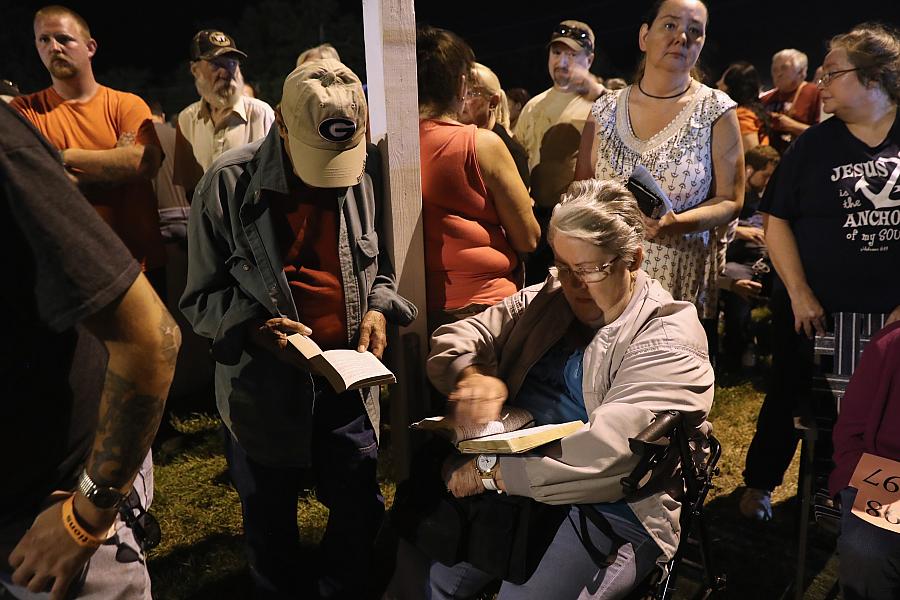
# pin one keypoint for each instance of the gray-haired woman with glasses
(599, 341)
(832, 211)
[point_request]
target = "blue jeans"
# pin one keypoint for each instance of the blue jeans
(567, 570)
(344, 454)
(869, 556)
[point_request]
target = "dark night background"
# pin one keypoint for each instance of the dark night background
(143, 46)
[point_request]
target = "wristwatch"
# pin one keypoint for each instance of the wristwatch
(100, 496)
(485, 465)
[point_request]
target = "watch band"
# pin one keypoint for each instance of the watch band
(486, 472)
(100, 496)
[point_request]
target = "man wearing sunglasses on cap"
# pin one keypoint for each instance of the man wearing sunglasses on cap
(550, 124)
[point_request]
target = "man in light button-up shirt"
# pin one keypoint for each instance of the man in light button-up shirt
(223, 118)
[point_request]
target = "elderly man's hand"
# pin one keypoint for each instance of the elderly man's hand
(461, 477)
(272, 335)
(373, 333)
(782, 122)
(477, 398)
(47, 555)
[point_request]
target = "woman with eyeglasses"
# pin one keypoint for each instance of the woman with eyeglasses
(487, 108)
(601, 342)
(832, 223)
(476, 211)
(687, 136)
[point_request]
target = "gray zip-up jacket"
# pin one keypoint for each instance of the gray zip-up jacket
(235, 274)
(652, 358)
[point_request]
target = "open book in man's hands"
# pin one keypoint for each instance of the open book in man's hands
(344, 369)
(512, 433)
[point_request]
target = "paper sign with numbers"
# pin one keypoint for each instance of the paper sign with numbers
(878, 498)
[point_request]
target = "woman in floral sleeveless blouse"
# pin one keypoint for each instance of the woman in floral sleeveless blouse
(687, 136)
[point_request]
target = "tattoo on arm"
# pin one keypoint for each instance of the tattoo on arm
(129, 138)
(128, 419)
(126, 426)
(170, 334)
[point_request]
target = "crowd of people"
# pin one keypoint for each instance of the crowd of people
(548, 288)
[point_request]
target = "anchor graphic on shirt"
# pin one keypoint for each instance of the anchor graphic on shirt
(883, 198)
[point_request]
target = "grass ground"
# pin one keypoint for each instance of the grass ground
(201, 555)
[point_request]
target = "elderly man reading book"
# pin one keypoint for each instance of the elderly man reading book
(601, 342)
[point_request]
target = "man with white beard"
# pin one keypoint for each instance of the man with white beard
(223, 118)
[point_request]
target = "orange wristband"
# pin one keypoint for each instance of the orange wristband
(73, 527)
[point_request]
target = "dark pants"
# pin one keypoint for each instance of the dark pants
(869, 557)
(775, 440)
(344, 454)
(738, 335)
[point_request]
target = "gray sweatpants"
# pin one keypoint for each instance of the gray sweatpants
(108, 578)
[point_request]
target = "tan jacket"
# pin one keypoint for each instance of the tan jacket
(652, 358)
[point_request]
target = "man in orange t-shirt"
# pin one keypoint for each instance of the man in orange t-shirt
(106, 137)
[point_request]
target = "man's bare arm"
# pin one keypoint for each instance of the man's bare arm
(143, 340)
(128, 161)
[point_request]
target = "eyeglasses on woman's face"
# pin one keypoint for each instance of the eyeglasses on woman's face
(475, 92)
(584, 273)
(830, 76)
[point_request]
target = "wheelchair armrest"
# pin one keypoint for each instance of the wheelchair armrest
(649, 439)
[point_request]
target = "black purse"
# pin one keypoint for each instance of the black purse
(506, 536)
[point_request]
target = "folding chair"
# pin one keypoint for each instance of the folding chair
(836, 355)
(661, 442)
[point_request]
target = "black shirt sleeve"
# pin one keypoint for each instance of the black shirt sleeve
(79, 264)
(779, 197)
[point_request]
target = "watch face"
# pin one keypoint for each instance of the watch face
(106, 498)
(486, 462)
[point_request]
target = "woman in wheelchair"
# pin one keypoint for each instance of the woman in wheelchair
(598, 341)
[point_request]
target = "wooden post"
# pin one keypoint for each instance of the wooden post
(390, 38)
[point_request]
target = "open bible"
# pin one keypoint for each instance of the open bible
(513, 433)
(344, 369)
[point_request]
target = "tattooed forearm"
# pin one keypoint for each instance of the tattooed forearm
(125, 428)
(124, 163)
(170, 334)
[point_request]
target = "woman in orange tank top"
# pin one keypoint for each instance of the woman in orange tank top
(476, 211)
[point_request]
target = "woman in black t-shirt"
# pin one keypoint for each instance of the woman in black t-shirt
(833, 231)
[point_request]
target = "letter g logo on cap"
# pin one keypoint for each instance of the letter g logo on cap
(337, 129)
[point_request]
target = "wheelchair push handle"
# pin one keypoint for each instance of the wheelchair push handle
(660, 428)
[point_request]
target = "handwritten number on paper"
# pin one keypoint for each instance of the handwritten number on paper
(873, 508)
(889, 484)
(877, 502)
(875, 483)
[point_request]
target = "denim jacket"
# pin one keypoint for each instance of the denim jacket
(235, 274)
